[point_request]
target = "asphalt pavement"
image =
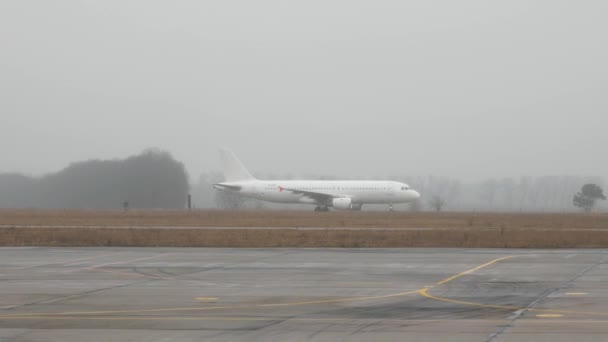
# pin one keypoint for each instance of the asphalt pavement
(299, 294)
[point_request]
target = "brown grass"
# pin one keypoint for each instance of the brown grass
(220, 218)
(193, 237)
(184, 229)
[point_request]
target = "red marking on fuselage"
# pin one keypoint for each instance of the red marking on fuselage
(281, 189)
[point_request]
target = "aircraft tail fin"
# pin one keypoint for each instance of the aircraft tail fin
(233, 169)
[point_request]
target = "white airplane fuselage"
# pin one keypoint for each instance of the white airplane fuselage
(339, 194)
(288, 191)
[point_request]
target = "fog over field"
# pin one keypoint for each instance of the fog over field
(464, 90)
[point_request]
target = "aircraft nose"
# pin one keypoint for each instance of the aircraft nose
(415, 194)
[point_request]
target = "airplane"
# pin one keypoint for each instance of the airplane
(337, 194)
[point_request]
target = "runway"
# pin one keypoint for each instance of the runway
(222, 294)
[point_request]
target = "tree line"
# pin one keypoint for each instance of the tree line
(525, 194)
(152, 179)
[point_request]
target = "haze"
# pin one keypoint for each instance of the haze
(467, 89)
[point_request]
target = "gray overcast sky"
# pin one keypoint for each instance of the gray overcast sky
(358, 88)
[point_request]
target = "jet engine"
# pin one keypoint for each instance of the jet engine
(342, 203)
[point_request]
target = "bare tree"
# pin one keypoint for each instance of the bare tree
(487, 192)
(508, 188)
(437, 203)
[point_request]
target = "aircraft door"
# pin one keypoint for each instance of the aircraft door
(390, 190)
(261, 190)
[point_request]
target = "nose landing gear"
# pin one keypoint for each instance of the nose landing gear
(322, 208)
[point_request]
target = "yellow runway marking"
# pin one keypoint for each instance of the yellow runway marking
(206, 298)
(425, 294)
(575, 293)
(63, 263)
(124, 262)
(77, 315)
(340, 300)
(101, 269)
(71, 262)
(55, 314)
(325, 319)
(456, 276)
(549, 315)
(362, 283)
(125, 273)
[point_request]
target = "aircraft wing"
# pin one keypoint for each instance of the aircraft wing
(317, 196)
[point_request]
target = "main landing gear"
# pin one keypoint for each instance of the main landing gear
(390, 207)
(322, 208)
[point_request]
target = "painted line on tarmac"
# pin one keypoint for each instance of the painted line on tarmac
(62, 263)
(423, 292)
(126, 274)
(529, 321)
(249, 318)
(124, 261)
(456, 276)
(77, 261)
(339, 300)
(100, 268)
(107, 312)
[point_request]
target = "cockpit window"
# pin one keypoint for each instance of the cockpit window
(405, 188)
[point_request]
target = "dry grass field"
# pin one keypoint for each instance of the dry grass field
(221, 218)
(381, 229)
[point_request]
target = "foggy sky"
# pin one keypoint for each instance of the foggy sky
(468, 89)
